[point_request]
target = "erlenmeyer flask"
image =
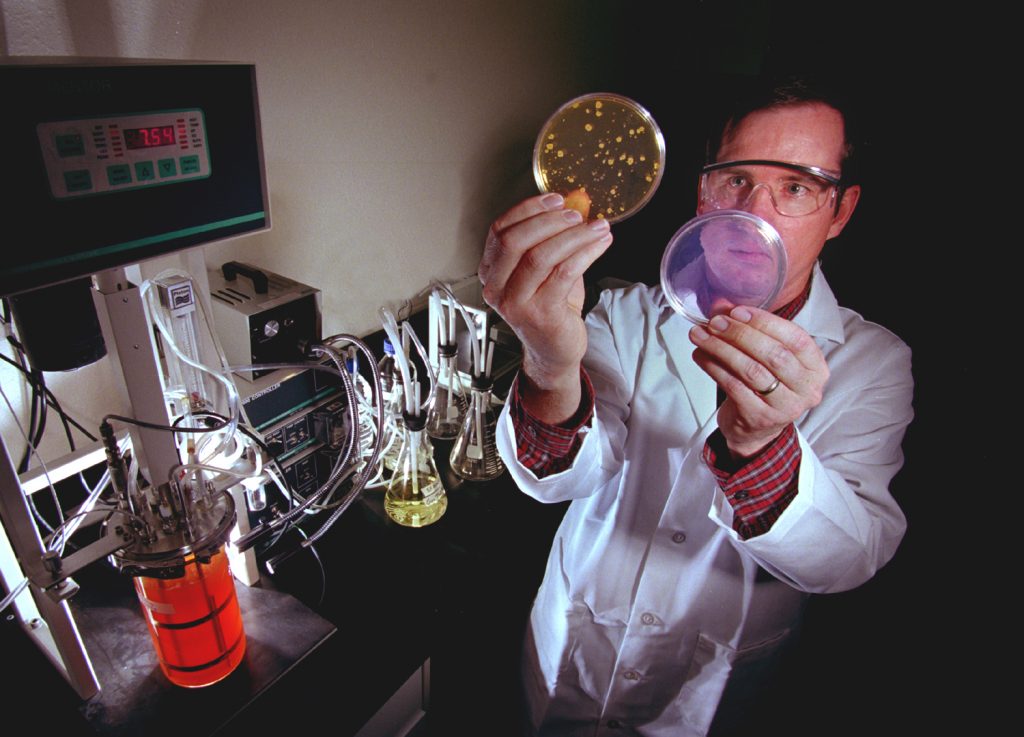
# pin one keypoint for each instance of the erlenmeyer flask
(475, 454)
(415, 495)
(444, 419)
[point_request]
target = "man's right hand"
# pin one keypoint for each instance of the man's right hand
(532, 271)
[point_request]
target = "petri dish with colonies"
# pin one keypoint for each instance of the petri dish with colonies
(603, 152)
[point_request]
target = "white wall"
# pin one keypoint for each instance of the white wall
(394, 131)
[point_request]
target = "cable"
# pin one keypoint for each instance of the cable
(310, 503)
(245, 429)
(37, 402)
(352, 394)
(15, 592)
(323, 572)
(287, 492)
(36, 428)
(276, 476)
(71, 525)
(61, 534)
(340, 473)
(33, 405)
(361, 479)
(167, 428)
(52, 401)
(37, 514)
(42, 463)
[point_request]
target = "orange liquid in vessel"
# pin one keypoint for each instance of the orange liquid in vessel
(195, 621)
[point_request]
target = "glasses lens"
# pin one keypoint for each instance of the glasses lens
(793, 193)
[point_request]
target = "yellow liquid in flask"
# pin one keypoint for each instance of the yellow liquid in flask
(416, 507)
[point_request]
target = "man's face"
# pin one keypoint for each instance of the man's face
(739, 265)
(810, 134)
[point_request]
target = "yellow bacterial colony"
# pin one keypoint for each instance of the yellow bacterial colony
(604, 146)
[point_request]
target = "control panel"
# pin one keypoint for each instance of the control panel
(98, 155)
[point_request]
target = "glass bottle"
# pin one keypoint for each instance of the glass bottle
(194, 620)
(388, 369)
(415, 495)
(444, 419)
(475, 456)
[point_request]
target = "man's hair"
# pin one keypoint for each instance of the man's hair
(767, 93)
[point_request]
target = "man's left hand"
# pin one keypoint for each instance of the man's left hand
(770, 370)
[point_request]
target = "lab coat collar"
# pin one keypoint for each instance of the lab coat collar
(820, 316)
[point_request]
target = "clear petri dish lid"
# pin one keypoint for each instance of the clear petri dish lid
(603, 149)
(722, 259)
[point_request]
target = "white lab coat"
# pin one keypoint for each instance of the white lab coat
(651, 602)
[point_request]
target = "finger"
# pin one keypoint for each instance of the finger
(757, 409)
(738, 358)
(720, 306)
(527, 209)
(504, 249)
(548, 271)
(807, 376)
(523, 211)
(564, 278)
(796, 340)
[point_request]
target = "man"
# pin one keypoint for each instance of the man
(718, 473)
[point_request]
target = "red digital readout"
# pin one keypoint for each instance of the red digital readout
(162, 135)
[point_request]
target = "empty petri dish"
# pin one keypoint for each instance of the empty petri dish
(722, 259)
(603, 149)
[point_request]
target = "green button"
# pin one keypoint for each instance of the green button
(144, 171)
(189, 164)
(119, 174)
(78, 180)
(167, 168)
(70, 145)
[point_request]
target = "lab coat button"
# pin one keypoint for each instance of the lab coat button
(679, 537)
(631, 675)
(648, 618)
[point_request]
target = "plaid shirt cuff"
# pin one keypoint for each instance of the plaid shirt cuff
(549, 449)
(761, 489)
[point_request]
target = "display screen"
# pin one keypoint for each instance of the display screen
(140, 183)
(149, 137)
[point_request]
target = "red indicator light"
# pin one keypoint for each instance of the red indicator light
(162, 135)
